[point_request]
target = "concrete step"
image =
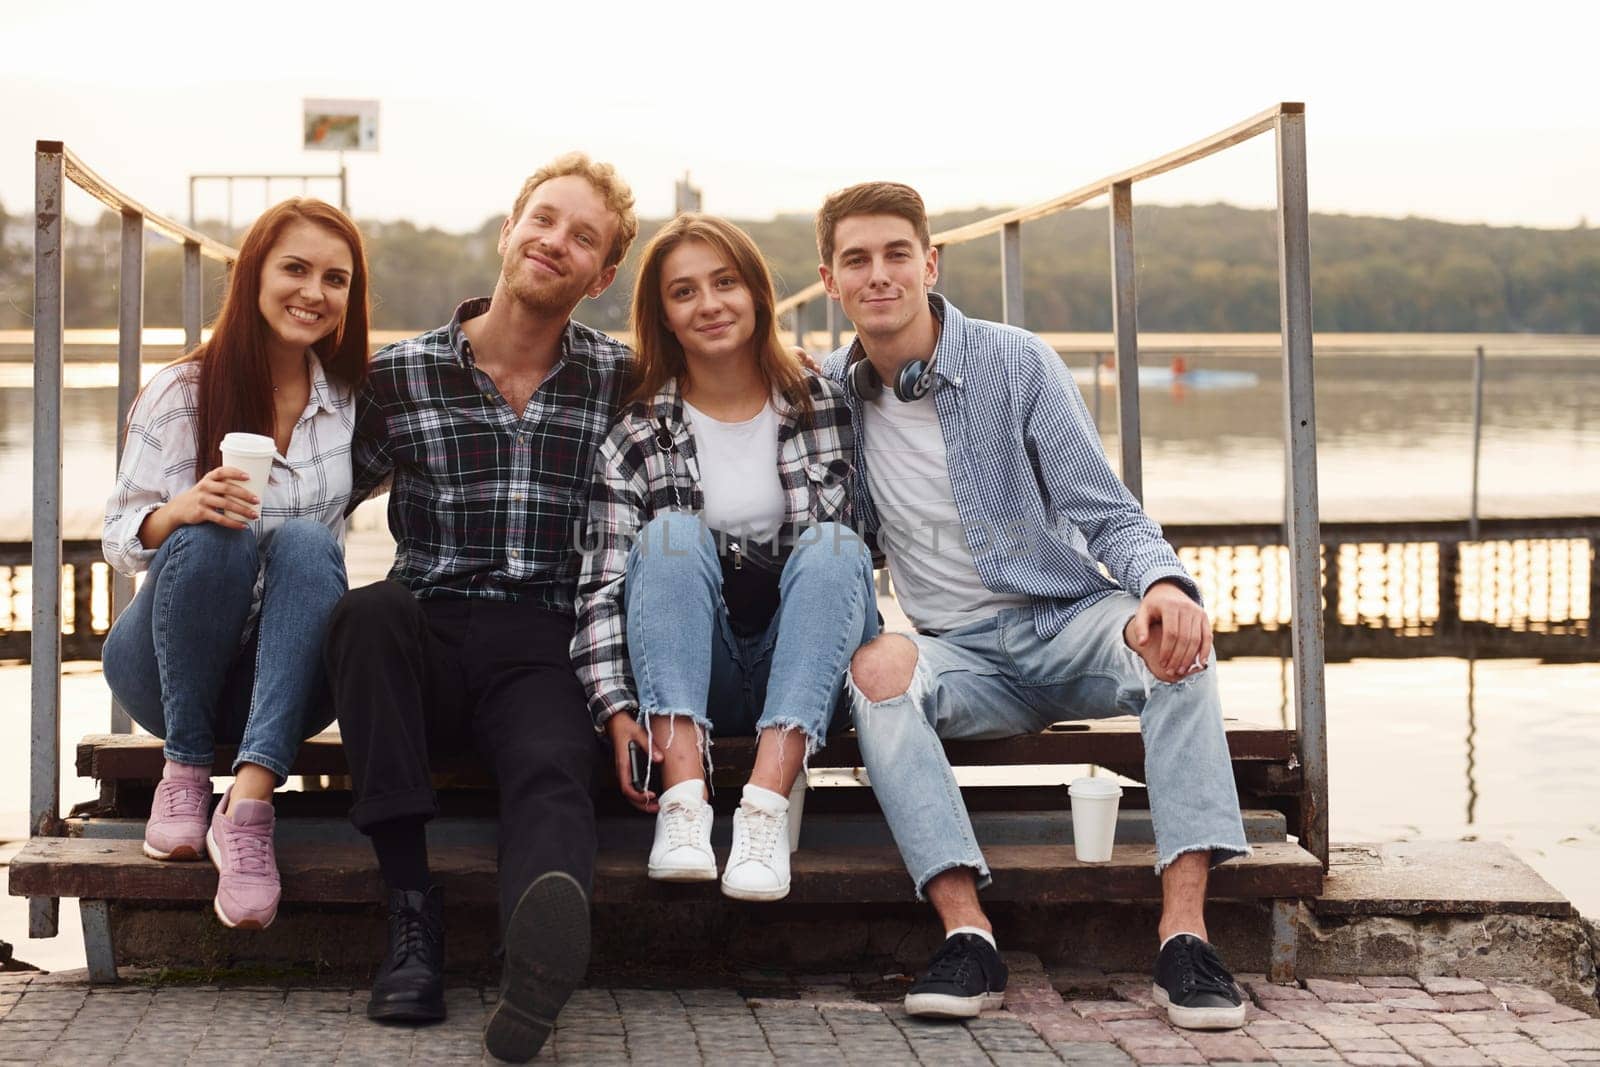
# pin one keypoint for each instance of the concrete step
(116, 870)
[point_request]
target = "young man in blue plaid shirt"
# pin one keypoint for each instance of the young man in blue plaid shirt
(983, 480)
(487, 428)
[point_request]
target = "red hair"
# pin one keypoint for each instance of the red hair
(235, 387)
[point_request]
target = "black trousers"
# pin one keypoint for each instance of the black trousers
(414, 677)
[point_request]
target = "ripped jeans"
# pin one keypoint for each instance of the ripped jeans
(688, 661)
(998, 678)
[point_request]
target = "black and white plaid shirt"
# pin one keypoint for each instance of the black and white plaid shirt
(485, 501)
(640, 474)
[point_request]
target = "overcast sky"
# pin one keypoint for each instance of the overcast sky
(1452, 111)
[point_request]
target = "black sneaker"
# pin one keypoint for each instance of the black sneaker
(409, 987)
(964, 977)
(547, 953)
(1195, 988)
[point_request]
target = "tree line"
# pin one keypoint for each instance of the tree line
(1200, 268)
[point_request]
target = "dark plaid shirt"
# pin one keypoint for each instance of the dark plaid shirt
(637, 477)
(485, 501)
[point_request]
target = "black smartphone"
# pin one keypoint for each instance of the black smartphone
(638, 767)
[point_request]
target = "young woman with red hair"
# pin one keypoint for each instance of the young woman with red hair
(223, 642)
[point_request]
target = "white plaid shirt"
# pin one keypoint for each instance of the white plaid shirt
(311, 481)
(1038, 502)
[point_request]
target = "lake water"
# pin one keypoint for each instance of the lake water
(1438, 748)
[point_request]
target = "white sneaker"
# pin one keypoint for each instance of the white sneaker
(682, 848)
(758, 865)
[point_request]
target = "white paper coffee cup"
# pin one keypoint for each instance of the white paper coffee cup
(1094, 817)
(251, 453)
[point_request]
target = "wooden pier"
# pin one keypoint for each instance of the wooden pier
(1523, 589)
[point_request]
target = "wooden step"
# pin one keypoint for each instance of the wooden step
(819, 829)
(1105, 742)
(334, 874)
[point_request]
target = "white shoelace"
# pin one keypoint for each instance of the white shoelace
(682, 824)
(760, 836)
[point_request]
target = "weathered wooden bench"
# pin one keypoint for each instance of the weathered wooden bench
(846, 855)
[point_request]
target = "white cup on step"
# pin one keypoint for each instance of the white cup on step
(1094, 817)
(797, 808)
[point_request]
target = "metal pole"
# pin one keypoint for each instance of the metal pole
(1294, 290)
(130, 338)
(939, 282)
(835, 323)
(344, 186)
(1011, 274)
(1099, 360)
(800, 325)
(1477, 439)
(192, 296)
(1125, 330)
(44, 788)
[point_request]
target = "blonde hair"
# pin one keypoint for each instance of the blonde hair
(613, 190)
(870, 198)
(660, 356)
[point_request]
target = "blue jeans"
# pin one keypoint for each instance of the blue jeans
(687, 660)
(998, 678)
(182, 663)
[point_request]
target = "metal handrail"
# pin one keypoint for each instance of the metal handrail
(1287, 122)
(84, 177)
(54, 166)
(1243, 131)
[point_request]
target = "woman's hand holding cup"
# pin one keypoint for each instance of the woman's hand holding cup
(220, 497)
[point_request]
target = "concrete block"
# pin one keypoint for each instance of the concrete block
(1437, 984)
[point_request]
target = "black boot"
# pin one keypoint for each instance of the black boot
(410, 983)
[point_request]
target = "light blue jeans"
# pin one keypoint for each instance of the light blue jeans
(178, 658)
(687, 660)
(998, 678)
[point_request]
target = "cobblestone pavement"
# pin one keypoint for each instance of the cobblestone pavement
(1104, 1020)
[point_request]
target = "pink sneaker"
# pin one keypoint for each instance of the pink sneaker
(240, 844)
(177, 826)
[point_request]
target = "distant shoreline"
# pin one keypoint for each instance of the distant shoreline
(162, 344)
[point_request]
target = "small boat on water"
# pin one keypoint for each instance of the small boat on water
(1178, 374)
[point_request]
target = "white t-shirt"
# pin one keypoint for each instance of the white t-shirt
(919, 529)
(739, 472)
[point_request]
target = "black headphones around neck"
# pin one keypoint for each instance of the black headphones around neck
(912, 383)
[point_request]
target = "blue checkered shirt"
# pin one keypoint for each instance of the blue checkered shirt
(1038, 502)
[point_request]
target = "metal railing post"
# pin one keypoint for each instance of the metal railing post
(939, 283)
(130, 340)
(1011, 275)
(835, 324)
(44, 785)
(1304, 527)
(1477, 438)
(1125, 331)
(193, 296)
(1099, 360)
(800, 325)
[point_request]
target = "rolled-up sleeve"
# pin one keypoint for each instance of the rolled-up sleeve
(157, 464)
